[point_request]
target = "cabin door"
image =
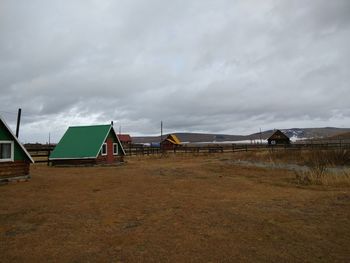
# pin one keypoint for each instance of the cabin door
(110, 156)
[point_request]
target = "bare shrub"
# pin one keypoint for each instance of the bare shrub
(328, 157)
(318, 162)
(318, 159)
(313, 176)
(339, 156)
(302, 178)
(284, 155)
(323, 177)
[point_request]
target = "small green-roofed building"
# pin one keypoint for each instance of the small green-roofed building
(88, 145)
(14, 159)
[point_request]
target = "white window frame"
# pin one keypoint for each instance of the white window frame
(115, 153)
(102, 153)
(12, 152)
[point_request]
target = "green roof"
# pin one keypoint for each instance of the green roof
(6, 134)
(81, 142)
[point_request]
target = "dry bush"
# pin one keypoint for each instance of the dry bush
(323, 177)
(316, 158)
(285, 155)
(251, 155)
(334, 157)
(339, 156)
(273, 156)
(318, 161)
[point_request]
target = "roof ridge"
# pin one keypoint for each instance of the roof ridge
(16, 139)
(95, 125)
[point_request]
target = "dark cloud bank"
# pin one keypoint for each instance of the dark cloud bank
(201, 65)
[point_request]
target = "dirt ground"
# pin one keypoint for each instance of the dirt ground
(183, 209)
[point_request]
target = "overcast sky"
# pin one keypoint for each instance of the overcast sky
(218, 66)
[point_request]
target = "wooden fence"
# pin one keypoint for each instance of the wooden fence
(41, 154)
(217, 148)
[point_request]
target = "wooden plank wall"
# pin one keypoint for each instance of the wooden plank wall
(13, 169)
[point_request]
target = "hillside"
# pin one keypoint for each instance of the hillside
(341, 136)
(193, 137)
(294, 133)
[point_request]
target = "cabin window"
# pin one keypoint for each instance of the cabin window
(115, 148)
(104, 149)
(6, 151)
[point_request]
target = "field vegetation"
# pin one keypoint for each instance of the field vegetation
(174, 209)
(316, 166)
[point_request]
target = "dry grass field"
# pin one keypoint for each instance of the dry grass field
(175, 209)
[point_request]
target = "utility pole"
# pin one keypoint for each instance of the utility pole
(18, 121)
(161, 137)
(260, 137)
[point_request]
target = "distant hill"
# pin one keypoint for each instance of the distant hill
(294, 133)
(192, 137)
(341, 136)
(305, 133)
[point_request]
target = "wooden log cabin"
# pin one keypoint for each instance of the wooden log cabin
(171, 142)
(278, 137)
(88, 145)
(14, 159)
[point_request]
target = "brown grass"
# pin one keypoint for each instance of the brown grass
(319, 176)
(173, 209)
(318, 161)
(335, 157)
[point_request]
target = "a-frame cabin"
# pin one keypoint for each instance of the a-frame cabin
(88, 145)
(14, 159)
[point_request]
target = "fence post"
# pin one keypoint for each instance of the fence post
(48, 155)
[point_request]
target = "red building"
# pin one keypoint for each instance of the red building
(125, 139)
(88, 145)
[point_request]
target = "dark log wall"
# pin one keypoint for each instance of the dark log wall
(82, 162)
(102, 159)
(87, 162)
(14, 169)
(166, 145)
(279, 141)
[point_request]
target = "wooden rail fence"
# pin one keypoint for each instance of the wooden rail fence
(41, 154)
(147, 150)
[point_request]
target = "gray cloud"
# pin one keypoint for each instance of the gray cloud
(202, 66)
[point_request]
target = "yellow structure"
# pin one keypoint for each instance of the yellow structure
(170, 142)
(173, 139)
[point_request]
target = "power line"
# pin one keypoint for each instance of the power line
(8, 112)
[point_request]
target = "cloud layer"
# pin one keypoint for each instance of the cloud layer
(204, 66)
